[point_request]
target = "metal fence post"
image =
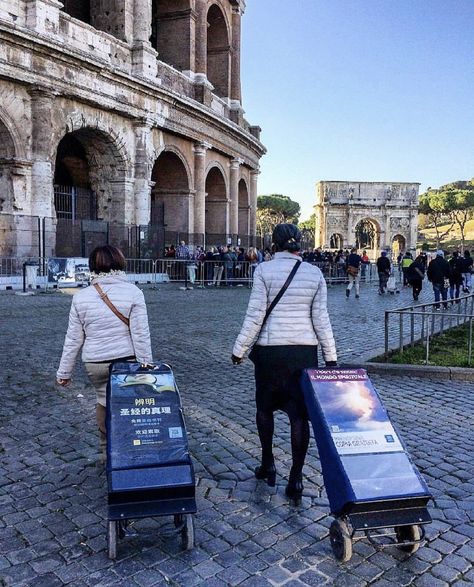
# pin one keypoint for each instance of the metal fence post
(387, 318)
(401, 333)
(412, 328)
(469, 353)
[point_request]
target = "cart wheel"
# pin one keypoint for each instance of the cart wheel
(408, 534)
(341, 541)
(187, 533)
(112, 539)
(178, 520)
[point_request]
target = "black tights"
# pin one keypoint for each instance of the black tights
(299, 437)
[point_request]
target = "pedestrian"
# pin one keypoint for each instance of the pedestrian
(439, 273)
(455, 277)
(406, 262)
(108, 320)
(467, 271)
(383, 269)
(415, 276)
(284, 340)
(353, 265)
(365, 265)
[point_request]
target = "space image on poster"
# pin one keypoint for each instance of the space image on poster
(146, 421)
(354, 414)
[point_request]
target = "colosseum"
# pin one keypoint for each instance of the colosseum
(121, 121)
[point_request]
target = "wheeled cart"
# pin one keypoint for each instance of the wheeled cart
(149, 470)
(370, 481)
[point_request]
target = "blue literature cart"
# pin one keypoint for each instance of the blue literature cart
(149, 470)
(370, 481)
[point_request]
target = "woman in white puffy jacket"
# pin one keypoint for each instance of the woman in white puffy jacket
(283, 345)
(98, 324)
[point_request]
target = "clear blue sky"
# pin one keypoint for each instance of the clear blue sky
(360, 90)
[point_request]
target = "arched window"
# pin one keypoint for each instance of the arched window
(218, 51)
(216, 207)
(171, 32)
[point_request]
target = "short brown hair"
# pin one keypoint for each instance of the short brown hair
(107, 258)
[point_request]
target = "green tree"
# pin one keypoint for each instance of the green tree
(308, 228)
(438, 208)
(460, 196)
(275, 209)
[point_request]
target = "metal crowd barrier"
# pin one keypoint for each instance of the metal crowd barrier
(203, 274)
(420, 322)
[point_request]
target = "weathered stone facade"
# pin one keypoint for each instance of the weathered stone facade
(370, 215)
(125, 112)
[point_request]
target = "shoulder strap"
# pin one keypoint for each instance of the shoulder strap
(281, 292)
(104, 297)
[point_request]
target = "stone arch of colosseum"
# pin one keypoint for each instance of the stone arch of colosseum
(218, 50)
(217, 209)
(171, 197)
(244, 208)
(8, 152)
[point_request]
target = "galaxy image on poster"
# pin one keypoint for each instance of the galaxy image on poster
(355, 416)
(146, 421)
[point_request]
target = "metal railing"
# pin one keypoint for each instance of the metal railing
(421, 322)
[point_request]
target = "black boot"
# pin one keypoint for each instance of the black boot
(267, 472)
(294, 489)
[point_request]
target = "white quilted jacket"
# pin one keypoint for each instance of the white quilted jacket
(299, 318)
(101, 334)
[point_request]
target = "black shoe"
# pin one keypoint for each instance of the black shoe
(294, 489)
(348, 293)
(267, 473)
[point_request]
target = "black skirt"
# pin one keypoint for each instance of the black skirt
(277, 376)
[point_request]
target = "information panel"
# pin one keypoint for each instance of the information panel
(355, 416)
(146, 421)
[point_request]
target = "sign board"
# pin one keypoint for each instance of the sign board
(68, 271)
(355, 416)
(146, 421)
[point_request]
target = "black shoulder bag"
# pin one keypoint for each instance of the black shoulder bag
(252, 354)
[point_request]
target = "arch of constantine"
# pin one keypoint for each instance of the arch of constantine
(374, 216)
(121, 121)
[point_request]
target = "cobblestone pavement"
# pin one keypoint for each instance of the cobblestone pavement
(52, 493)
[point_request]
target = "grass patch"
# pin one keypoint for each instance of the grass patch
(449, 349)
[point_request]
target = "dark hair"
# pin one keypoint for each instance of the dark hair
(287, 237)
(105, 259)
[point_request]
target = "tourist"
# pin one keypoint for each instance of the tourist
(467, 271)
(455, 278)
(439, 273)
(383, 268)
(105, 334)
(365, 265)
(406, 262)
(415, 276)
(285, 344)
(353, 272)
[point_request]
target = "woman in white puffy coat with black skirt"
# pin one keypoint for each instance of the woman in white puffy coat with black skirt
(109, 321)
(282, 345)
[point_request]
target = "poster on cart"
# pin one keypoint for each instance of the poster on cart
(355, 416)
(146, 421)
(68, 271)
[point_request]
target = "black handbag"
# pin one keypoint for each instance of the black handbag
(253, 352)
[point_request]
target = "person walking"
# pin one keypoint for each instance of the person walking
(439, 273)
(383, 269)
(353, 265)
(455, 276)
(286, 320)
(415, 276)
(467, 271)
(365, 266)
(406, 262)
(109, 321)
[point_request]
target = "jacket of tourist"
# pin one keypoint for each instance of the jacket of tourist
(438, 270)
(383, 265)
(299, 318)
(101, 334)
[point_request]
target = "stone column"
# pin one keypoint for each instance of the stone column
(234, 197)
(235, 89)
(201, 40)
(41, 171)
(253, 201)
(200, 150)
(43, 16)
(143, 55)
(143, 183)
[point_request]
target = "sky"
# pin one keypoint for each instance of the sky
(362, 90)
